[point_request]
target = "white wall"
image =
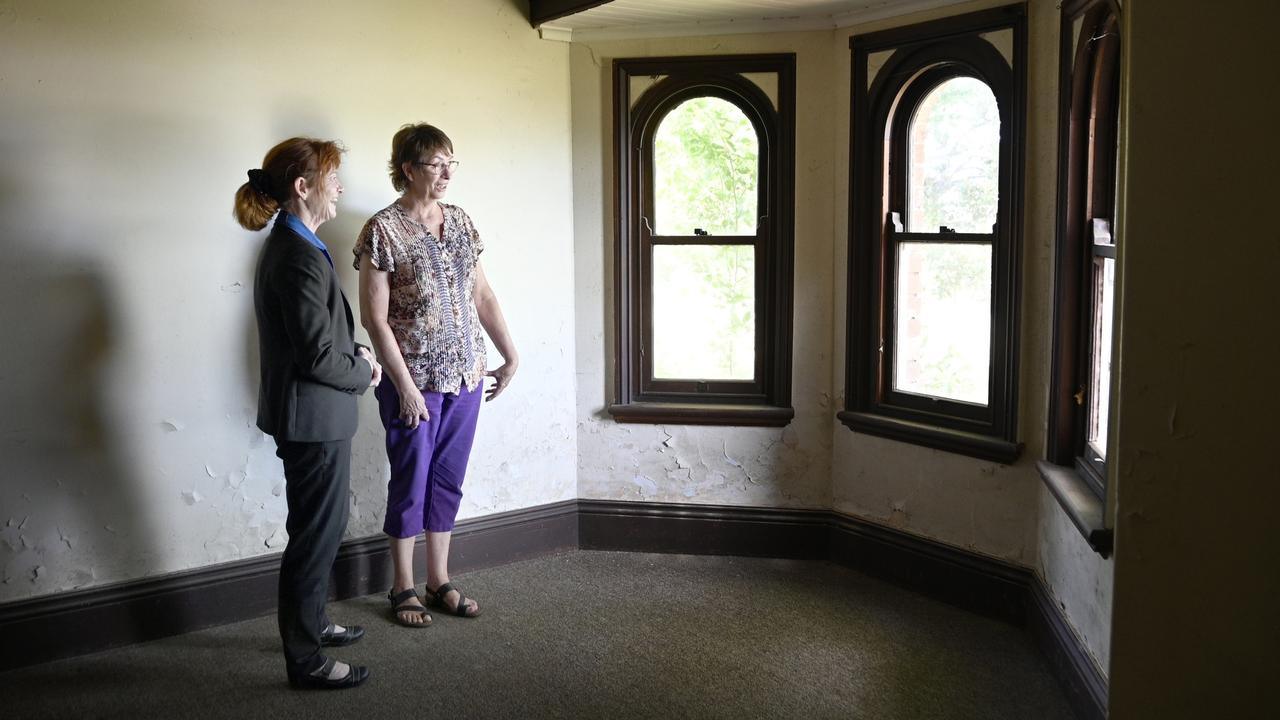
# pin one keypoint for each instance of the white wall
(129, 389)
(788, 467)
(1196, 587)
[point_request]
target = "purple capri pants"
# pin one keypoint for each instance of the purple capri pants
(428, 463)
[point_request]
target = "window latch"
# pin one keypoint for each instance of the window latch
(1079, 396)
(700, 231)
(945, 229)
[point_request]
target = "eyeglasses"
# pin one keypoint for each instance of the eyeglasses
(438, 167)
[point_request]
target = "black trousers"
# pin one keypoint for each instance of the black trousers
(317, 476)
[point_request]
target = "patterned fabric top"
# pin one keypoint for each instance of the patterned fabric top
(431, 310)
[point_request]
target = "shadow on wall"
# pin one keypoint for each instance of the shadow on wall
(74, 506)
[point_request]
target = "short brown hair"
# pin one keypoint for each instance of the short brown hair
(269, 187)
(412, 142)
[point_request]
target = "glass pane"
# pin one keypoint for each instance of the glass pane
(953, 166)
(705, 160)
(1104, 274)
(943, 326)
(704, 320)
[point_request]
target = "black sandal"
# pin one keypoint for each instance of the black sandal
(400, 604)
(437, 601)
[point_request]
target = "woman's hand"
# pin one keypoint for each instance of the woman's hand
(502, 377)
(373, 364)
(413, 409)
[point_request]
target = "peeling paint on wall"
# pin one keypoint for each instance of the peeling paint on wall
(698, 464)
(277, 539)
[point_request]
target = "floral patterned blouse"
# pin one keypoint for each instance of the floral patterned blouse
(431, 310)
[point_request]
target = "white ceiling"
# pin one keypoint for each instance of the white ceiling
(669, 18)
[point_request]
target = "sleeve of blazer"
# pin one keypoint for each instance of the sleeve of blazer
(307, 323)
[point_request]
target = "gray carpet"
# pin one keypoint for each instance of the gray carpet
(595, 635)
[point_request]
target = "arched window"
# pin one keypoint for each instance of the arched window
(935, 215)
(706, 168)
(1085, 268)
(705, 239)
(942, 322)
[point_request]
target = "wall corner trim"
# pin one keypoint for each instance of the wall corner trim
(558, 34)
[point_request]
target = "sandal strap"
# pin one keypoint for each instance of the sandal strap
(400, 599)
(461, 610)
(439, 594)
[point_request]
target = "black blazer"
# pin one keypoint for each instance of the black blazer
(306, 338)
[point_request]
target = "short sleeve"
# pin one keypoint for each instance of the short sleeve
(473, 235)
(375, 243)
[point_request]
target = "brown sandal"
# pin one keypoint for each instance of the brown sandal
(437, 601)
(400, 604)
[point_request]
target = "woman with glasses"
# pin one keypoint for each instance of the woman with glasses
(424, 299)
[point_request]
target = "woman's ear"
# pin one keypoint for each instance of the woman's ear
(300, 187)
(406, 169)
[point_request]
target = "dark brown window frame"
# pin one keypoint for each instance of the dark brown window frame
(641, 398)
(925, 55)
(1088, 126)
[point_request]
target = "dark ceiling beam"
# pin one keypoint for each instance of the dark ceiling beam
(541, 11)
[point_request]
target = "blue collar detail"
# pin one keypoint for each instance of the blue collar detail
(293, 223)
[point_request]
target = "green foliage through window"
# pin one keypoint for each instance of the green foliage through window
(954, 169)
(706, 160)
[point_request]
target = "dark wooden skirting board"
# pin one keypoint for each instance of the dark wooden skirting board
(83, 621)
(977, 583)
(1084, 685)
(702, 529)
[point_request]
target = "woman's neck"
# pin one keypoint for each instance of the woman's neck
(419, 207)
(299, 210)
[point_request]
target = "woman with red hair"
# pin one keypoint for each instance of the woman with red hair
(312, 371)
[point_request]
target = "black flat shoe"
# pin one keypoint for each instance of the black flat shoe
(350, 635)
(355, 677)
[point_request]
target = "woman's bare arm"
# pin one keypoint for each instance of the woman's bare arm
(495, 324)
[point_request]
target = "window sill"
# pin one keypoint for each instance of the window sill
(938, 438)
(1080, 503)
(702, 414)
